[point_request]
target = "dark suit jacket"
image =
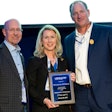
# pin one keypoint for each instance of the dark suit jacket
(99, 62)
(37, 75)
(10, 83)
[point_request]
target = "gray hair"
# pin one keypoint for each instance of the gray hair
(6, 24)
(73, 3)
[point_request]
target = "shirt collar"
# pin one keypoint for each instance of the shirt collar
(11, 47)
(88, 30)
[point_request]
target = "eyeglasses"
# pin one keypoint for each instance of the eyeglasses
(12, 30)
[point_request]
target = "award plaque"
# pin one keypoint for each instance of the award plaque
(61, 88)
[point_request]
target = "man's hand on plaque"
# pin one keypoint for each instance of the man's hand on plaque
(72, 76)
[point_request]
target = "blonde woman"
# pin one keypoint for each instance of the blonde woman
(47, 57)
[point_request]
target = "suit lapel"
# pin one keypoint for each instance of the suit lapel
(72, 49)
(23, 63)
(22, 60)
(44, 61)
(9, 59)
(60, 60)
(93, 40)
(72, 44)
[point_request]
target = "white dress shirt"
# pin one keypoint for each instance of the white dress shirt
(81, 56)
(47, 88)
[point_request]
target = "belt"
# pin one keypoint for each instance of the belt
(85, 85)
(23, 103)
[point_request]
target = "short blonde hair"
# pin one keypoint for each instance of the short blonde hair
(39, 49)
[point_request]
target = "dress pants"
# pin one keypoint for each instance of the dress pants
(24, 107)
(85, 100)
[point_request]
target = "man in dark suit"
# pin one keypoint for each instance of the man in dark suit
(13, 82)
(88, 50)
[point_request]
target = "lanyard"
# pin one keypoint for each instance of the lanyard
(49, 65)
